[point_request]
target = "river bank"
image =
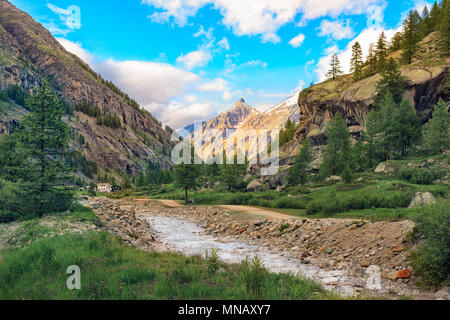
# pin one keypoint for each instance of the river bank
(343, 253)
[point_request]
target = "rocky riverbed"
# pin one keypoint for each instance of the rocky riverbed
(352, 257)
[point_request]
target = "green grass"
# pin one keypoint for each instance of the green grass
(377, 198)
(111, 270)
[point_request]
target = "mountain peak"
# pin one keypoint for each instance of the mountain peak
(241, 100)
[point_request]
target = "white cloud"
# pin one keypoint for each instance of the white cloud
(261, 17)
(195, 59)
(336, 29)
(297, 41)
(202, 33)
(76, 49)
(224, 44)
(158, 87)
(186, 111)
(216, 85)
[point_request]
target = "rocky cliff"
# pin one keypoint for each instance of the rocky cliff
(427, 82)
(28, 53)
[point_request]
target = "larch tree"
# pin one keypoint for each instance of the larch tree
(356, 61)
(410, 36)
(437, 131)
(335, 67)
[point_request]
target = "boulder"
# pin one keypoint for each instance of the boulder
(422, 199)
(381, 168)
(333, 178)
(443, 294)
(256, 186)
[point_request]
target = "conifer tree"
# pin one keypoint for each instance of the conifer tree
(335, 67)
(45, 137)
(187, 176)
(381, 52)
(392, 81)
(444, 27)
(424, 24)
(337, 151)
(405, 129)
(356, 61)
(437, 131)
(298, 174)
(371, 60)
(410, 36)
(435, 17)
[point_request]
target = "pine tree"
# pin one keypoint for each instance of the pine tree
(405, 129)
(46, 137)
(381, 52)
(392, 82)
(371, 61)
(297, 173)
(356, 61)
(187, 176)
(444, 28)
(335, 67)
(410, 36)
(337, 151)
(435, 17)
(437, 132)
(397, 42)
(424, 24)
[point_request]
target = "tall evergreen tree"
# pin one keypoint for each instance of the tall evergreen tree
(405, 129)
(187, 176)
(424, 24)
(46, 137)
(444, 27)
(410, 36)
(392, 82)
(337, 151)
(335, 67)
(437, 131)
(381, 52)
(435, 17)
(356, 61)
(297, 173)
(371, 60)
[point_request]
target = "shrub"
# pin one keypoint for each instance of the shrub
(432, 260)
(254, 273)
(212, 260)
(347, 175)
(239, 199)
(8, 216)
(288, 203)
(420, 175)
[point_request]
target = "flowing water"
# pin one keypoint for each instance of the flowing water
(187, 238)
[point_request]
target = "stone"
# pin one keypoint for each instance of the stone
(399, 248)
(422, 199)
(403, 274)
(443, 294)
(381, 168)
(364, 263)
(256, 186)
(333, 179)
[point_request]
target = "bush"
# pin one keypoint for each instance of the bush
(8, 216)
(239, 199)
(420, 175)
(347, 175)
(432, 260)
(288, 203)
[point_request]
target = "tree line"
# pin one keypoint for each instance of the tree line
(415, 28)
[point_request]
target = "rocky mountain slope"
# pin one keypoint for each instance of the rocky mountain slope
(28, 53)
(243, 118)
(427, 82)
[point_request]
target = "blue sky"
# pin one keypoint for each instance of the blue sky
(187, 60)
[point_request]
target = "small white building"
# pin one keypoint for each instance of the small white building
(104, 187)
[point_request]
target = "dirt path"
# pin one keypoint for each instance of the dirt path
(259, 212)
(170, 203)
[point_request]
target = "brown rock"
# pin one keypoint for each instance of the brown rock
(403, 274)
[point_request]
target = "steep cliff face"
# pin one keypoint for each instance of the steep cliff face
(28, 53)
(427, 80)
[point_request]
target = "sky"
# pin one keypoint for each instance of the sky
(189, 60)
